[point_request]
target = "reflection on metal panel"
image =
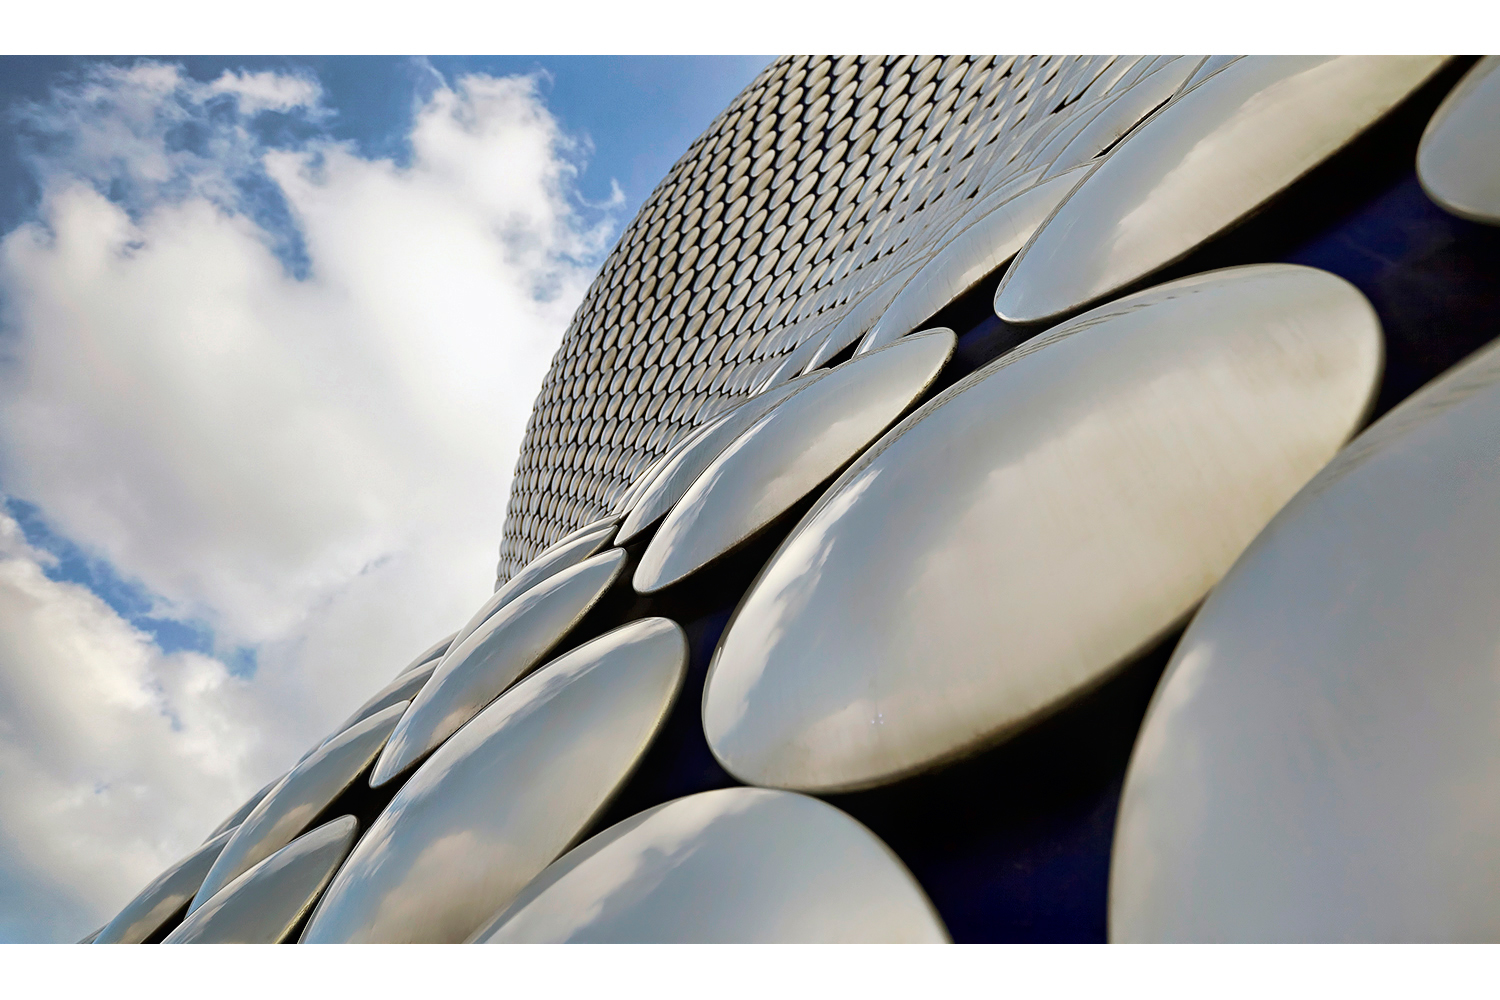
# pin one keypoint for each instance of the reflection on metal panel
(1198, 166)
(1319, 761)
(827, 179)
(1022, 535)
(265, 904)
(497, 654)
(312, 786)
(815, 432)
(735, 865)
(1459, 158)
(168, 894)
(507, 794)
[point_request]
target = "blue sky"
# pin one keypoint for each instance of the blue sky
(640, 112)
(269, 333)
(634, 116)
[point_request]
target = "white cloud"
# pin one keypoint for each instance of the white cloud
(112, 754)
(316, 467)
(268, 91)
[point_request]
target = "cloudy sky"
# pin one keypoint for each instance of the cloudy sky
(269, 334)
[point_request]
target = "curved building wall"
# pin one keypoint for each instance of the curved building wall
(1020, 498)
(804, 204)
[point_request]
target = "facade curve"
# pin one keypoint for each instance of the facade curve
(930, 592)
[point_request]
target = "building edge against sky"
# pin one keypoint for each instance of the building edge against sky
(928, 398)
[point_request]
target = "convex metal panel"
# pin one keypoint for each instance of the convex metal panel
(1202, 163)
(647, 476)
(1319, 761)
(238, 816)
(806, 439)
(780, 237)
(403, 688)
(971, 254)
(1037, 524)
(168, 893)
(566, 551)
(433, 652)
(734, 865)
(508, 793)
(307, 791)
(992, 232)
(673, 480)
(265, 904)
(1458, 161)
(499, 652)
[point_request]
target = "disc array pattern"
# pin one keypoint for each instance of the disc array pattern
(936, 570)
(825, 178)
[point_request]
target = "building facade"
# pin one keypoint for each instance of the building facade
(980, 498)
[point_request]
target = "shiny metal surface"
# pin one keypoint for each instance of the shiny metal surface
(801, 359)
(1458, 160)
(566, 551)
(433, 652)
(969, 256)
(775, 242)
(1210, 66)
(638, 484)
(508, 793)
(1121, 113)
(167, 894)
(787, 453)
(307, 791)
(736, 865)
(514, 640)
(673, 480)
(638, 491)
(865, 314)
(629, 498)
(265, 904)
(1058, 511)
(238, 816)
(1318, 762)
(403, 688)
(1202, 163)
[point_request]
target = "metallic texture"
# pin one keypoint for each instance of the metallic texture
(1113, 117)
(820, 191)
(508, 793)
(1034, 526)
(801, 443)
(991, 233)
(1204, 162)
(972, 253)
(265, 904)
(864, 314)
(646, 478)
(500, 652)
(646, 494)
(733, 865)
(164, 898)
(1210, 66)
(238, 816)
(433, 652)
(668, 485)
(1000, 553)
(1458, 161)
(312, 786)
(403, 688)
(1319, 761)
(566, 551)
(799, 361)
